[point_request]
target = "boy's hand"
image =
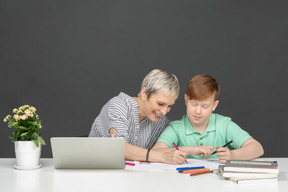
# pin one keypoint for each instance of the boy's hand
(224, 154)
(199, 150)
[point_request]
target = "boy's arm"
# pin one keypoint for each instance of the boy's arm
(250, 149)
(189, 150)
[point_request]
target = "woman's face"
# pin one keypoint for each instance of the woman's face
(157, 104)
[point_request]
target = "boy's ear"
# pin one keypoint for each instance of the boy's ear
(186, 99)
(215, 104)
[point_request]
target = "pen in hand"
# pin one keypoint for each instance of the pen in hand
(223, 146)
(178, 150)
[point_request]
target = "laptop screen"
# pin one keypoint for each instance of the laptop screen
(88, 153)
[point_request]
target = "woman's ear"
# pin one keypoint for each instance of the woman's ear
(143, 94)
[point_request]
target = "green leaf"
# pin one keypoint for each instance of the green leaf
(36, 143)
(41, 140)
(22, 128)
(10, 124)
(16, 133)
(35, 136)
(23, 134)
(32, 122)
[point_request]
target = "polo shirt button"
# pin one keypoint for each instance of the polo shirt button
(198, 133)
(201, 138)
(201, 143)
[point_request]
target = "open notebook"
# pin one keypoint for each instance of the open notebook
(88, 153)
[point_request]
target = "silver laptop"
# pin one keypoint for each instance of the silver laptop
(88, 153)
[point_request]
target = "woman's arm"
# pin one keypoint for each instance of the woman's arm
(189, 150)
(135, 153)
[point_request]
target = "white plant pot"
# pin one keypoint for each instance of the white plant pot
(27, 155)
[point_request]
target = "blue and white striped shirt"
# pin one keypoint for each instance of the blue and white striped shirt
(121, 112)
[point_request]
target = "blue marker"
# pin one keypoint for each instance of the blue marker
(189, 168)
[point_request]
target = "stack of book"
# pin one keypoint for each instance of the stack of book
(245, 171)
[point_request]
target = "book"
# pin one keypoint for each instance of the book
(245, 175)
(246, 181)
(251, 166)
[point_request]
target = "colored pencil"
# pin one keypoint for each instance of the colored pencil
(178, 150)
(196, 171)
(189, 168)
(223, 146)
(131, 164)
(200, 173)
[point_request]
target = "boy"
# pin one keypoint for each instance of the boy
(198, 132)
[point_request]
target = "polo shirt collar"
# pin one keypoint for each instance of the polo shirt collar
(189, 129)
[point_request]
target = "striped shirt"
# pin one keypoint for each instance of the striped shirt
(121, 113)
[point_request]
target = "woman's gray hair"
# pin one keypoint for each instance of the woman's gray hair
(159, 79)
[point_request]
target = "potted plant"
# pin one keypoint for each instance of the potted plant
(26, 137)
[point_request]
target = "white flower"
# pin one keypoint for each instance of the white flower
(33, 109)
(23, 117)
(27, 112)
(16, 117)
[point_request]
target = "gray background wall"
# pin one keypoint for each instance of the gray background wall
(68, 58)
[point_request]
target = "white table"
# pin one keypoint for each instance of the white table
(49, 179)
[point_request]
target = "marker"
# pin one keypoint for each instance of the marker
(178, 150)
(189, 168)
(196, 171)
(223, 146)
(200, 173)
(131, 164)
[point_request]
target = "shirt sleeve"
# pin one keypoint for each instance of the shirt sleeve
(236, 134)
(169, 136)
(157, 130)
(117, 113)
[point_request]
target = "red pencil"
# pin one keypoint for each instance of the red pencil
(131, 164)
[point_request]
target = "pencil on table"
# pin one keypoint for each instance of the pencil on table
(200, 173)
(196, 171)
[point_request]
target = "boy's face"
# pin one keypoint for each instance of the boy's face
(199, 112)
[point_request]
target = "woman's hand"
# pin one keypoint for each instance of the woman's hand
(174, 157)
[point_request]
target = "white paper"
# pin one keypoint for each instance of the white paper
(211, 163)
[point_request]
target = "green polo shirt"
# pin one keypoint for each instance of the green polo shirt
(220, 130)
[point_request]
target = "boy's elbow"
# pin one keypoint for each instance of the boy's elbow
(261, 150)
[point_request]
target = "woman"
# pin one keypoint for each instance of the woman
(140, 120)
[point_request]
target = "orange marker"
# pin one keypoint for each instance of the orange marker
(200, 173)
(196, 171)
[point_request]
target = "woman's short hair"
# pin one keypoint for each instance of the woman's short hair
(201, 87)
(159, 79)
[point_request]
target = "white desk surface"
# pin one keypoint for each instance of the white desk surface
(51, 180)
